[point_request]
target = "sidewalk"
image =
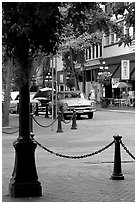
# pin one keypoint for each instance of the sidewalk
(116, 108)
(74, 180)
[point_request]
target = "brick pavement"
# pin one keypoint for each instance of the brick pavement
(83, 180)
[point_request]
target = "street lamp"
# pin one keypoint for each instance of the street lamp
(103, 68)
(104, 76)
(48, 79)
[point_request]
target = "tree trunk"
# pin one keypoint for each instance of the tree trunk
(73, 69)
(84, 78)
(6, 103)
(24, 181)
(24, 111)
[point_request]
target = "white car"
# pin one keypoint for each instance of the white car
(70, 100)
(14, 103)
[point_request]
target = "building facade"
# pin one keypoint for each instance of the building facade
(120, 61)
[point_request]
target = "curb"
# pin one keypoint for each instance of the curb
(119, 111)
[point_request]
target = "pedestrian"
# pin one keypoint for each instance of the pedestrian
(91, 95)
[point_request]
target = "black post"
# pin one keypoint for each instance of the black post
(54, 111)
(46, 113)
(59, 122)
(37, 110)
(24, 181)
(17, 108)
(74, 125)
(117, 172)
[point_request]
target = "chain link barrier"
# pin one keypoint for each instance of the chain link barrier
(10, 133)
(44, 126)
(125, 148)
(67, 122)
(14, 106)
(74, 157)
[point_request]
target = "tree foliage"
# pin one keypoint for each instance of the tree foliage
(33, 21)
(127, 11)
(42, 26)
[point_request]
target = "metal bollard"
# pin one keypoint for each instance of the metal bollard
(59, 122)
(30, 107)
(36, 111)
(31, 122)
(74, 125)
(117, 172)
(46, 113)
(17, 108)
(31, 125)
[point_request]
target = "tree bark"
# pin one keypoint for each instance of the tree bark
(84, 78)
(6, 103)
(73, 69)
(24, 181)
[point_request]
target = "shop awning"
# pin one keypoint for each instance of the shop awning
(132, 70)
(121, 85)
(115, 70)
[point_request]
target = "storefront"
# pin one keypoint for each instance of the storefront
(115, 68)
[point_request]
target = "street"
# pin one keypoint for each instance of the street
(78, 180)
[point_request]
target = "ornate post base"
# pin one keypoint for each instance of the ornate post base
(117, 176)
(117, 171)
(24, 181)
(25, 189)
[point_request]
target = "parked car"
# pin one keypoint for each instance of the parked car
(15, 101)
(44, 95)
(67, 101)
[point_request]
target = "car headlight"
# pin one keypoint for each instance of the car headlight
(65, 106)
(92, 103)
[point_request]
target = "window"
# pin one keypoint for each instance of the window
(112, 38)
(86, 54)
(96, 51)
(89, 52)
(107, 40)
(100, 50)
(93, 51)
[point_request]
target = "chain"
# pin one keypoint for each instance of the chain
(14, 106)
(9, 133)
(69, 120)
(127, 150)
(66, 122)
(74, 157)
(44, 126)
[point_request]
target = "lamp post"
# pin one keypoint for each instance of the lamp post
(104, 76)
(12, 84)
(48, 79)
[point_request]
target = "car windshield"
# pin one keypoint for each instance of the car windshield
(45, 94)
(70, 95)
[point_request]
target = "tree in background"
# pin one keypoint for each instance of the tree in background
(126, 10)
(82, 29)
(28, 28)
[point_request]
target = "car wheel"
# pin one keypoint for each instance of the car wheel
(65, 116)
(78, 116)
(90, 115)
